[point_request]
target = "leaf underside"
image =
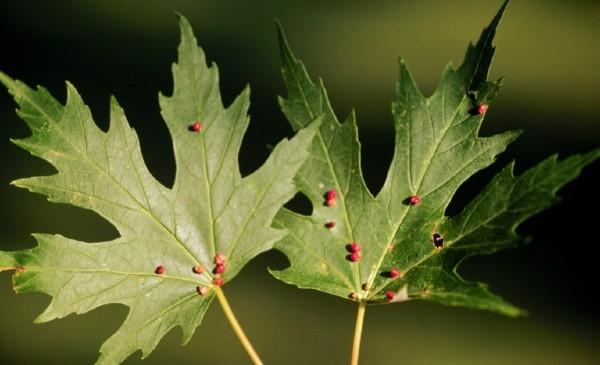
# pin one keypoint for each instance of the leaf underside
(437, 148)
(209, 210)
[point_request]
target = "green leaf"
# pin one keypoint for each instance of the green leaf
(209, 210)
(437, 148)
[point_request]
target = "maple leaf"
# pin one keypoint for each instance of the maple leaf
(399, 245)
(165, 264)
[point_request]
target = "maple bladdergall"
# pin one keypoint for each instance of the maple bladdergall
(403, 228)
(177, 245)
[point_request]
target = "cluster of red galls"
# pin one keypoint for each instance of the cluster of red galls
(354, 250)
(220, 261)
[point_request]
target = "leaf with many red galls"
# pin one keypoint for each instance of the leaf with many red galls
(409, 249)
(171, 240)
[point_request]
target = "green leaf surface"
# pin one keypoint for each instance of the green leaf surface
(437, 148)
(209, 210)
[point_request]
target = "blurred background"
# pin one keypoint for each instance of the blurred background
(547, 49)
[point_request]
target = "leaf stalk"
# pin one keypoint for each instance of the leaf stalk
(236, 327)
(358, 327)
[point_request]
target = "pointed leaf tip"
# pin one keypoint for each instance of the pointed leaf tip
(286, 53)
(476, 65)
(5, 79)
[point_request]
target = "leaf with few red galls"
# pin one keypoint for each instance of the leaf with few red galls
(161, 266)
(409, 248)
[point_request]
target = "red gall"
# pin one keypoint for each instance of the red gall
(330, 198)
(389, 295)
(220, 259)
(482, 108)
(394, 273)
(414, 200)
(354, 257)
(202, 290)
(219, 269)
(195, 127)
(353, 247)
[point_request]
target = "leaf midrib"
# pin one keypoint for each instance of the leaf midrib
(51, 269)
(338, 186)
(429, 161)
(207, 184)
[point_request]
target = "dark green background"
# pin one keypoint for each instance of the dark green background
(548, 51)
